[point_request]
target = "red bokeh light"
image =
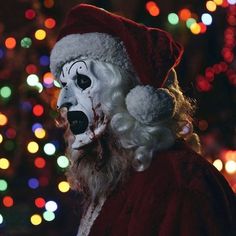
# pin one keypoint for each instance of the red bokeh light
(39, 202)
(30, 14)
(31, 69)
(8, 201)
(39, 162)
(38, 110)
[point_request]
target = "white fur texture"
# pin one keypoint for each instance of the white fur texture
(96, 46)
(147, 104)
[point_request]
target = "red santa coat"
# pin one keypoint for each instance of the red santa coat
(180, 194)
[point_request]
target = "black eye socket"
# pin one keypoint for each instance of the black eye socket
(83, 81)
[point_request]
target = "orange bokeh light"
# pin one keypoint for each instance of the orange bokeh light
(211, 6)
(10, 43)
(152, 8)
(50, 23)
(184, 14)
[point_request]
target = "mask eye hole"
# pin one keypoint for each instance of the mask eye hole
(83, 81)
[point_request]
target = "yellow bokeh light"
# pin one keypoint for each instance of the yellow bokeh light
(40, 34)
(4, 163)
(36, 219)
(218, 2)
(40, 133)
(218, 164)
(3, 119)
(64, 186)
(1, 138)
(32, 147)
(211, 6)
(230, 167)
(195, 28)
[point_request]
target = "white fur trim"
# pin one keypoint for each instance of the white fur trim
(96, 46)
(147, 104)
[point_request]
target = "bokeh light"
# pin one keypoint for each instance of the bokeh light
(10, 43)
(40, 133)
(26, 42)
(48, 80)
(1, 138)
(152, 8)
(63, 161)
(218, 164)
(1, 219)
(218, 2)
(5, 92)
(211, 6)
(50, 23)
(10, 133)
(189, 22)
(230, 167)
(32, 80)
(33, 183)
(40, 34)
(206, 18)
(48, 3)
(173, 18)
(49, 216)
(49, 149)
(231, 2)
(32, 147)
(39, 202)
(184, 14)
(195, 28)
(9, 145)
(40, 162)
(36, 219)
(44, 60)
(30, 14)
(51, 206)
(31, 69)
(56, 84)
(36, 126)
(3, 119)
(64, 186)
(203, 28)
(4, 163)
(3, 185)
(38, 110)
(8, 201)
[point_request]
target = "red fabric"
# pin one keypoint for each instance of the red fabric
(152, 51)
(180, 194)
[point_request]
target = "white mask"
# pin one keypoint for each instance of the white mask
(80, 94)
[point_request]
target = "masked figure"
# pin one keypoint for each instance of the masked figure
(133, 153)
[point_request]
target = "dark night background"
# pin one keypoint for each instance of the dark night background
(207, 74)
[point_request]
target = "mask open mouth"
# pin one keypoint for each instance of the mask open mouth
(78, 122)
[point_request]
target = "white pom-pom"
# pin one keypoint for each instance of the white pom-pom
(147, 104)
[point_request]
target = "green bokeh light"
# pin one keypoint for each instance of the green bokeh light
(26, 42)
(3, 185)
(49, 216)
(5, 92)
(9, 145)
(189, 22)
(62, 161)
(173, 18)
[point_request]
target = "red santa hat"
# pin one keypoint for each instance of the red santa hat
(91, 32)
